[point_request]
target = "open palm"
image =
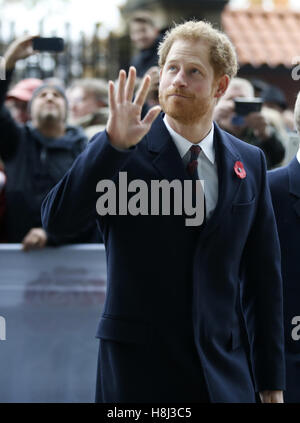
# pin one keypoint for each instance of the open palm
(125, 126)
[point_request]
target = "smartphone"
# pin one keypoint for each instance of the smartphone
(48, 44)
(246, 105)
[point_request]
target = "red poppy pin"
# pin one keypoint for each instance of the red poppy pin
(239, 170)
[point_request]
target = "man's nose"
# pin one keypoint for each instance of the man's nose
(49, 96)
(180, 79)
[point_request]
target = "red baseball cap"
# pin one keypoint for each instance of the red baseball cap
(23, 90)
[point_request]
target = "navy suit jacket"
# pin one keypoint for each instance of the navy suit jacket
(285, 190)
(179, 298)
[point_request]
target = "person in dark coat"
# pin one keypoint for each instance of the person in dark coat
(36, 156)
(285, 189)
(192, 313)
(145, 36)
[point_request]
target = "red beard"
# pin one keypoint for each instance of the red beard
(187, 109)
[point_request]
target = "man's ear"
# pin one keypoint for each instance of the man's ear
(222, 85)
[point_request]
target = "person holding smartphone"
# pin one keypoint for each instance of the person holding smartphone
(36, 155)
(252, 127)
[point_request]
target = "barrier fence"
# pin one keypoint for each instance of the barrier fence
(50, 304)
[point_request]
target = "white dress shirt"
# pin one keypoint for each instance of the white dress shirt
(207, 166)
(298, 155)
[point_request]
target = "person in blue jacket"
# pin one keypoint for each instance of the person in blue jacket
(285, 190)
(193, 313)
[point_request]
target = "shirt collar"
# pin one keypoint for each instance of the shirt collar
(298, 155)
(183, 145)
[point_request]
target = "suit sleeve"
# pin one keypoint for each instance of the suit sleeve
(72, 202)
(261, 295)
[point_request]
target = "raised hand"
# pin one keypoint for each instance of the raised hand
(125, 127)
(21, 48)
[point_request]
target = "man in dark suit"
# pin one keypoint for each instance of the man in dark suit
(285, 190)
(180, 298)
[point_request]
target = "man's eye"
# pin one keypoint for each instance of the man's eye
(172, 67)
(196, 71)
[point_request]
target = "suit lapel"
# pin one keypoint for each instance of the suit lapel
(229, 182)
(167, 160)
(294, 183)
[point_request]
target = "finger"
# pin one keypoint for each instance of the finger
(34, 240)
(143, 91)
(35, 243)
(28, 51)
(31, 247)
(26, 38)
(277, 398)
(40, 243)
(121, 86)
(267, 399)
(30, 44)
(111, 95)
(151, 115)
(26, 244)
(129, 90)
(25, 43)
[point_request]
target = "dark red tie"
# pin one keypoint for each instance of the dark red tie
(192, 166)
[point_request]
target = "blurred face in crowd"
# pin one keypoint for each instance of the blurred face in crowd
(48, 106)
(143, 35)
(82, 103)
(237, 90)
(18, 109)
(225, 110)
(188, 88)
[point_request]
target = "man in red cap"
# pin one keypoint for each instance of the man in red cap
(18, 97)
